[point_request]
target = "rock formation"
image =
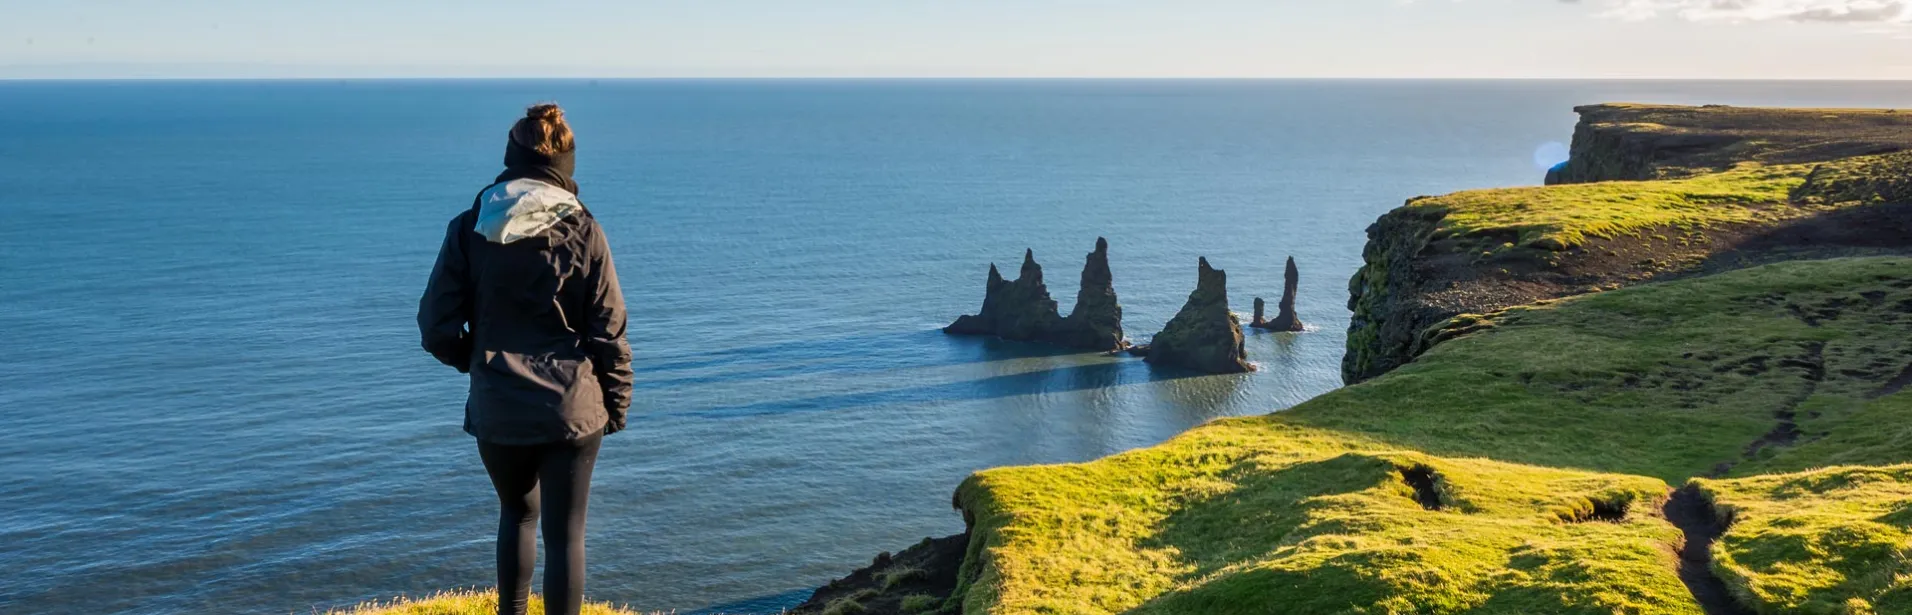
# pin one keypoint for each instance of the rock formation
(1261, 310)
(1096, 321)
(1022, 310)
(1205, 335)
(1285, 320)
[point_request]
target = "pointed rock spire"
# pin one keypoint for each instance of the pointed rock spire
(1205, 336)
(1022, 309)
(1096, 321)
(1030, 270)
(1285, 320)
(1017, 310)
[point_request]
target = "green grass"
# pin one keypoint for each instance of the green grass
(921, 603)
(1531, 425)
(461, 603)
(1568, 216)
(1833, 541)
(900, 575)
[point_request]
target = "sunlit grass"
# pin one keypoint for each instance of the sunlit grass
(462, 603)
(1567, 216)
(1539, 427)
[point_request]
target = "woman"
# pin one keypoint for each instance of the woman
(524, 298)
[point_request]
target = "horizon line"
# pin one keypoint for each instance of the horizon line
(941, 78)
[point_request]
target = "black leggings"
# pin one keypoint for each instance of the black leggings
(557, 478)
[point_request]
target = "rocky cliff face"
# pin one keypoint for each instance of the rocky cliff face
(1022, 309)
(1387, 295)
(1205, 336)
(1641, 142)
(1285, 319)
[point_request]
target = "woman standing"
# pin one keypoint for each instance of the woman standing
(524, 298)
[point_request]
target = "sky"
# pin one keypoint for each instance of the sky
(1678, 39)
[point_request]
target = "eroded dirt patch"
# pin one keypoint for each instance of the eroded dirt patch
(1896, 384)
(1423, 479)
(1690, 511)
(1602, 511)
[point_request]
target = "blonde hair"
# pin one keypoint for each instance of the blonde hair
(543, 130)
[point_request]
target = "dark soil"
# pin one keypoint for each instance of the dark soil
(1689, 511)
(1603, 510)
(1422, 478)
(1898, 383)
(927, 569)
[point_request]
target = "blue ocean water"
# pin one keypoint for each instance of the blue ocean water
(211, 396)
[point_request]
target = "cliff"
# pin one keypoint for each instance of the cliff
(1642, 142)
(1022, 309)
(1205, 335)
(1539, 430)
(1480, 251)
(1550, 459)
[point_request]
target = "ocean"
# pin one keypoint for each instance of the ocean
(212, 397)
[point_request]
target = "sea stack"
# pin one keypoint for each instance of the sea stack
(1096, 321)
(1023, 311)
(1020, 310)
(1261, 308)
(1205, 336)
(1285, 319)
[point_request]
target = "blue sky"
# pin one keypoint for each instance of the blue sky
(1791, 39)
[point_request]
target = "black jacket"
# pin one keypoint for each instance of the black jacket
(524, 297)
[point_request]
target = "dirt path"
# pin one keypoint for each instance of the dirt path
(1689, 511)
(1904, 379)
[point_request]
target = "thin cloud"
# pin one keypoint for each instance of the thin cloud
(1821, 11)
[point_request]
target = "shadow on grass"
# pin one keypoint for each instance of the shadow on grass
(1864, 230)
(1263, 513)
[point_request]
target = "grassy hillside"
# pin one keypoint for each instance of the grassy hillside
(1561, 217)
(1484, 250)
(1569, 216)
(1635, 142)
(1515, 469)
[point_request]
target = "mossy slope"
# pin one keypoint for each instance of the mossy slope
(1485, 250)
(1548, 434)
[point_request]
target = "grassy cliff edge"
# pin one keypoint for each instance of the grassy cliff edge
(1516, 469)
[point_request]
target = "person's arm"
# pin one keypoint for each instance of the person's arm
(604, 330)
(445, 310)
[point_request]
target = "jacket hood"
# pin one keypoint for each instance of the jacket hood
(522, 208)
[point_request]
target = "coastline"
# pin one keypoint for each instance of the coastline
(1732, 214)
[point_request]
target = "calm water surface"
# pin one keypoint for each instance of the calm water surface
(211, 397)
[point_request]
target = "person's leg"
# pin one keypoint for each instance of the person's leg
(566, 476)
(514, 474)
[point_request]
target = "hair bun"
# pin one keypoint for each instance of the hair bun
(545, 111)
